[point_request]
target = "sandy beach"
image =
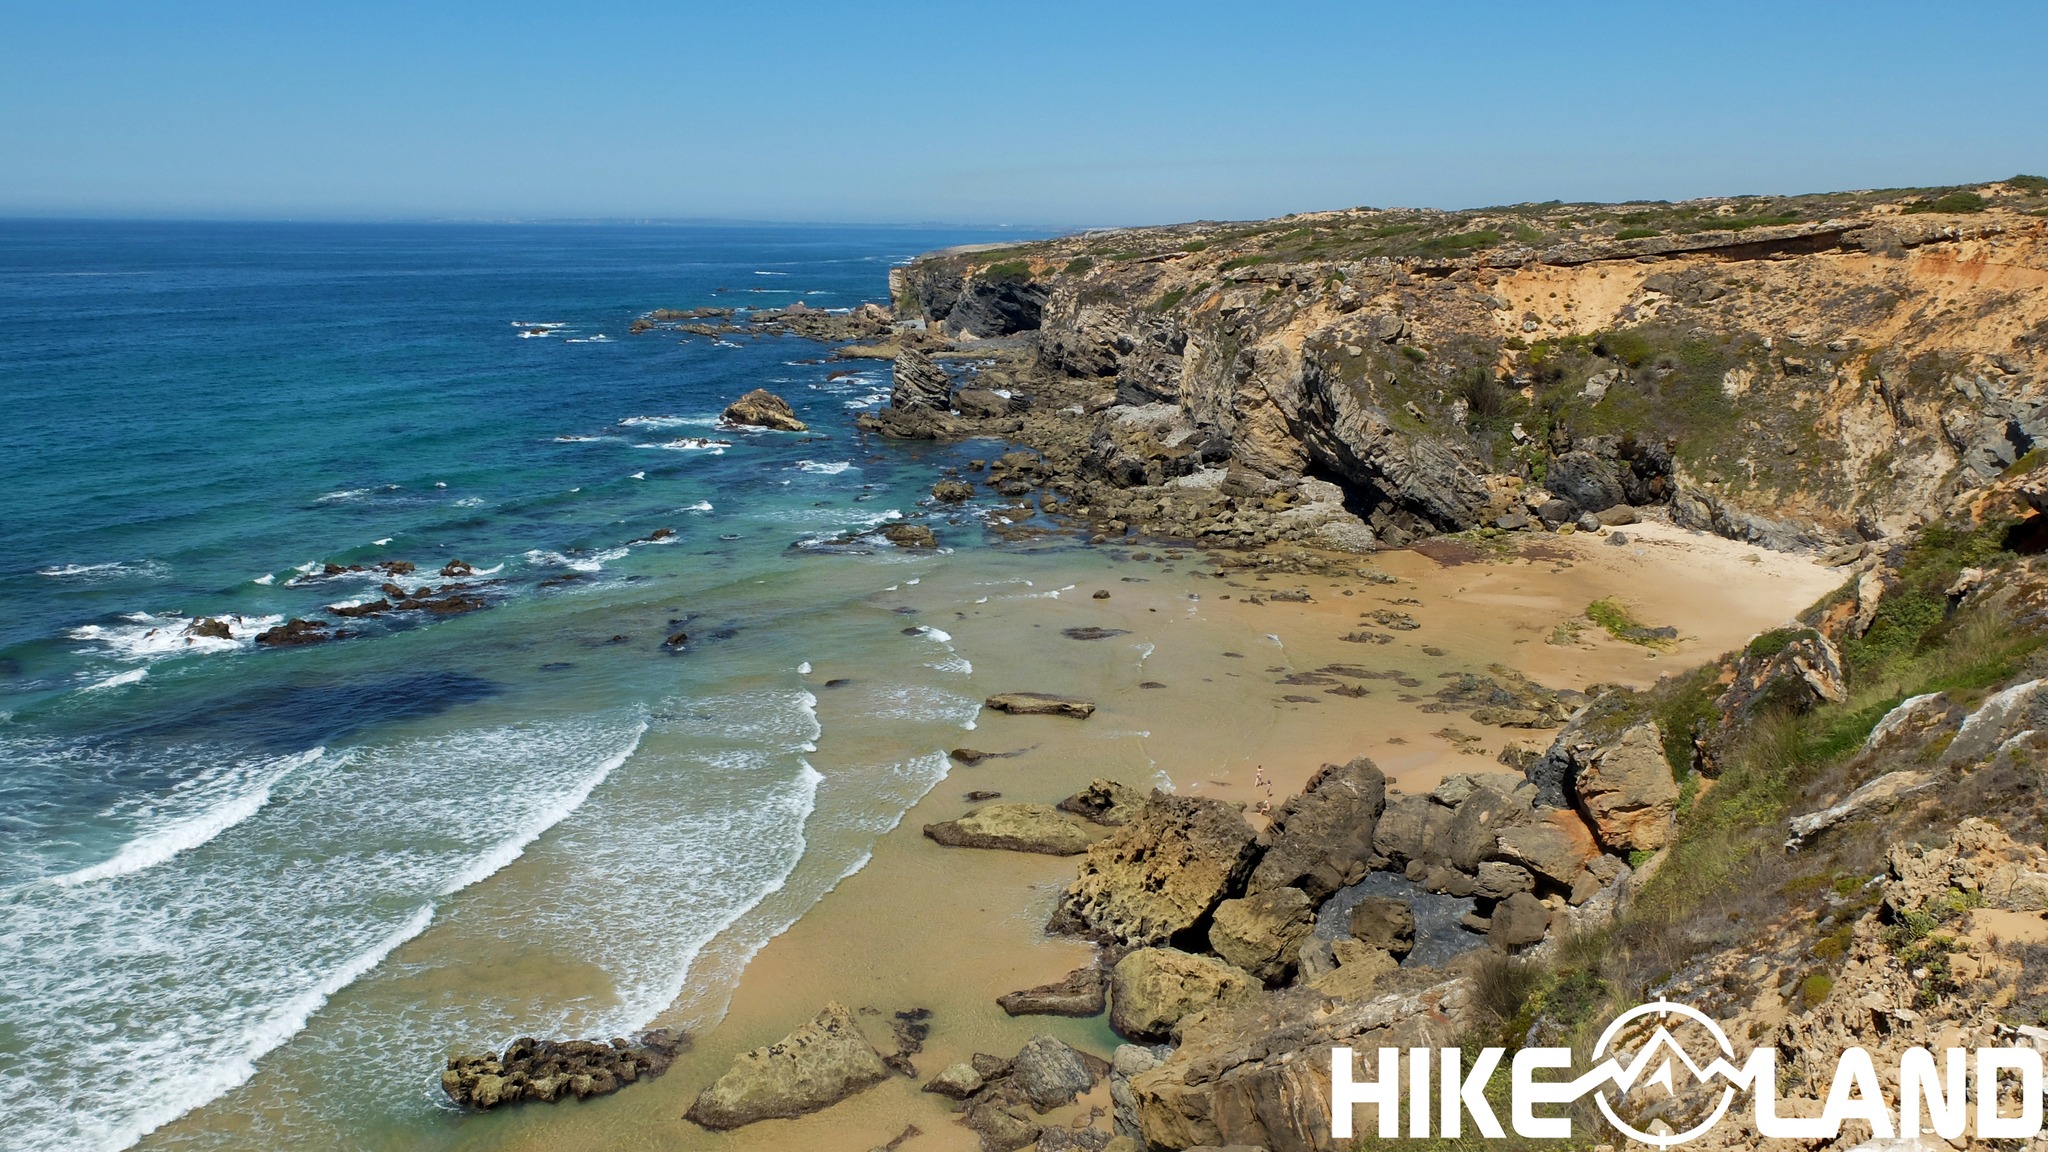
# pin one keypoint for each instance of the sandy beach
(949, 929)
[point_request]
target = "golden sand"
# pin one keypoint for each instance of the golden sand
(922, 926)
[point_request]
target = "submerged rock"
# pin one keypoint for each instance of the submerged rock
(910, 536)
(814, 1067)
(764, 409)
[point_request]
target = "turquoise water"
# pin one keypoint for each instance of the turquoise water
(211, 853)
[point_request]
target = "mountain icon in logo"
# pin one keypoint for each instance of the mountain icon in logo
(1663, 1062)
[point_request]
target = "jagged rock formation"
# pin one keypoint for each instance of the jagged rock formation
(763, 409)
(551, 1070)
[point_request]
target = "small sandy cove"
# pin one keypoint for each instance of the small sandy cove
(1188, 698)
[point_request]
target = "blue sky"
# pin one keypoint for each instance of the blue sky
(1040, 113)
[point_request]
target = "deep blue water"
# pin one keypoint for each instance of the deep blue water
(201, 840)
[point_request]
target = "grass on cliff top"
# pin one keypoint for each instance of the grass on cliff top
(1727, 876)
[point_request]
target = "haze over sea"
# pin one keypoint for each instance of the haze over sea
(211, 853)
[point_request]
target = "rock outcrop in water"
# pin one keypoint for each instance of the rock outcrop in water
(763, 409)
(551, 1070)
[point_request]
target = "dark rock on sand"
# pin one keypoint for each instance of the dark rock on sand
(1013, 827)
(1093, 633)
(1040, 704)
(814, 1067)
(764, 409)
(548, 1070)
(1321, 840)
(1082, 992)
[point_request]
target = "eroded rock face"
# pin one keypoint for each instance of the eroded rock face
(1013, 827)
(1051, 1073)
(1410, 829)
(1556, 846)
(764, 409)
(549, 1070)
(814, 1067)
(1262, 933)
(1320, 840)
(1805, 672)
(1626, 792)
(1259, 1074)
(920, 383)
(1160, 876)
(1152, 989)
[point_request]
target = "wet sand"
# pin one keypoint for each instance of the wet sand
(923, 926)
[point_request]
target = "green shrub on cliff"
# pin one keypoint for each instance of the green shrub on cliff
(1957, 201)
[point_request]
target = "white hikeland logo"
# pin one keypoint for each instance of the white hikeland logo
(1642, 1049)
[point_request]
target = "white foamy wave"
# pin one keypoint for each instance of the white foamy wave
(201, 812)
(595, 562)
(345, 496)
(470, 502)
(147, 637)
(267, 579)
(804, 669)
(832, 469)
(692, 444)
(940, 635)
(639, 476)
(100, 573)
(959, 664)
(512, 847)
(699, 506)
(117, 680)
(669, 422)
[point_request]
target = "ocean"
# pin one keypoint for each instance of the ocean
(283, 883)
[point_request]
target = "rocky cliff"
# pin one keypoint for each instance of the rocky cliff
(1791, 370)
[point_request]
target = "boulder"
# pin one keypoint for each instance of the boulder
(1518, 921)
(1585, 481)
(955, 1081)
(1385, 923)
(1410, 829)
(1152, 989)
(1051, 1073)
(910, 536)
(1082, 992)
(1105, 802)
(1626, 792)
(1498, 802)
(1262, 933)
(293, 633)
(1015, 828)
(1498, 880)
(1360, 968)
(763, 409)
(1556, 846)
(1158, 878)
(920, 383)
(1322, 839)
(952, 491)
(814, 1067)
(1040, 704)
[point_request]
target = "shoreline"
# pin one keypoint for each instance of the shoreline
(950, 929)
